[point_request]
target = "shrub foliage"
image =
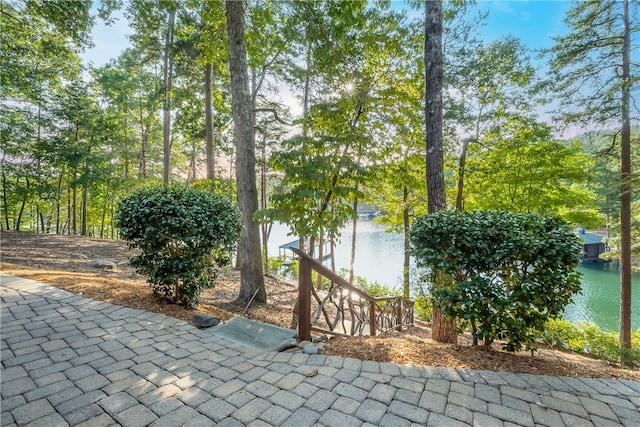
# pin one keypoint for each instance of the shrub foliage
(183, 234)
(507, 273)
(588, 339)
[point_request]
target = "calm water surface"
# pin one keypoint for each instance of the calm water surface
(599, 301)
(379, 257)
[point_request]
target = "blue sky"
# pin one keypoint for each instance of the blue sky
(533, 22)
(109, 41)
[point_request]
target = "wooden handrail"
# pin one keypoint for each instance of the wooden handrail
(305, 286)
(325, 272)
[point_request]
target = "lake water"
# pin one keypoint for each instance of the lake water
(379, 257)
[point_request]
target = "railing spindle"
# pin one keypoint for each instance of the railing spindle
(373, 323)
(351, 300)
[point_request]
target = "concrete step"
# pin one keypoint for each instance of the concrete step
(255, 335)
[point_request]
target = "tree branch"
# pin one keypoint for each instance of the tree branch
(275, 115)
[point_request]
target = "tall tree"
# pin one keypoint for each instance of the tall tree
(399, 186)
(251, 277)
(443, 330)
(433, 106)
(208, 115)
(592, 76)
(604, 183)
(350, 78)
(200, 40)
(267, 56)
(166, 105)
(154, 24)
(625, 184)
(399, 191)
(130, 87)
(490, 83)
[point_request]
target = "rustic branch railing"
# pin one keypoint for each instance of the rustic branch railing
(344, 310)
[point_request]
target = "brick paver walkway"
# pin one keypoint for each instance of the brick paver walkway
(69, 360)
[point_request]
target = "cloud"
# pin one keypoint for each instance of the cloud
(502, 6)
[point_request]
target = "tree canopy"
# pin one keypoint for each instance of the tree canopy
(335, 99)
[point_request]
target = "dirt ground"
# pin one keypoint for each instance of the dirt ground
(63, 261)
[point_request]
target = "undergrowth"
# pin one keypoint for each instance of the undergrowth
(589, 340)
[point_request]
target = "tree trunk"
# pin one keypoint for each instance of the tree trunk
(307, 82)
(69, 218)
(43, 227)
(208, 116)
(442, 331)
(112, 213)
(20, 212)
(353, 239)
(75, 187)
(433, 106)
(461, 165)
(142, 168)
(625, 199)
(193, 165)
(320, 256)
(59, 195)
(407, 242)
(103, 220)
(74, 208)
(312, 246)
(332, 248)
(265, 228)
(4, 200)
(22, 206)
(166, 109)
(249, 253)
(126, 156)
(83, 212)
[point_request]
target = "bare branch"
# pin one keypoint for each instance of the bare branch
(275, 115)
(609, 150)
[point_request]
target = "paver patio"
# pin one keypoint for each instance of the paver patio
(69, 360)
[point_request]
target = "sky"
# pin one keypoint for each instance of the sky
(109, 41)
(533, 21)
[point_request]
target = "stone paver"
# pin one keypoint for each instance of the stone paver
(67, 360)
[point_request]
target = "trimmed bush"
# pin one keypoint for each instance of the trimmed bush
(184, 234)
(506, 273)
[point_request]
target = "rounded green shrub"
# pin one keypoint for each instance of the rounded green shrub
(183, 235)
(506, 273)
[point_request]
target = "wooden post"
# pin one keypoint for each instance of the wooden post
(304, 300)
(399, 314)
(372, 319)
